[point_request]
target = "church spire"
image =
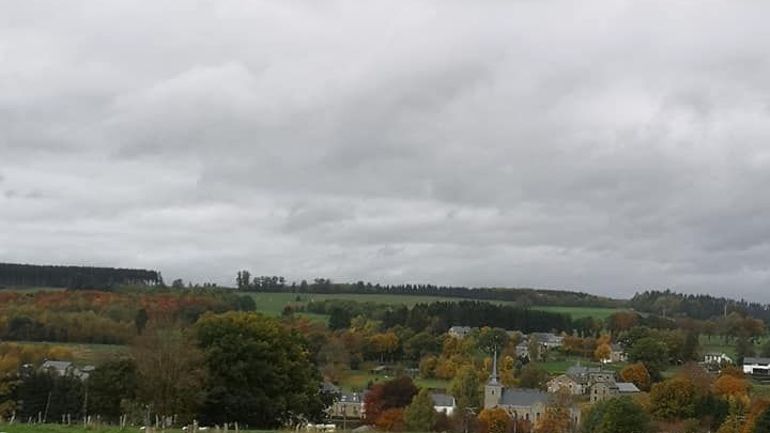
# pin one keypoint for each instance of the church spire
(493, 378)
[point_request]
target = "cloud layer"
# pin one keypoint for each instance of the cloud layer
(606, 146)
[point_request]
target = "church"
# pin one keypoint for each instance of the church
(527, 404)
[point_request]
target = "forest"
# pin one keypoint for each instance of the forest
(74, 277)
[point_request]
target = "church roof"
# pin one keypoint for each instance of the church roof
(522, 397)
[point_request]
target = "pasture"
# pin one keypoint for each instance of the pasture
(273, 303)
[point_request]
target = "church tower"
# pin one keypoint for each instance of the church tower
(493, 390)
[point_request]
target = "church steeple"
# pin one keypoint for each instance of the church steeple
(493, 390)
(493, 379)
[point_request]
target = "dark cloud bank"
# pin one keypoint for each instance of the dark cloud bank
(605, 146)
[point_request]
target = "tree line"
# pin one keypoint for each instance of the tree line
(522, 296)
(74, 277)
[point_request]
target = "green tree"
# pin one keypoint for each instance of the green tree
(652, 353)
(743, 348)
(419, 415)
(339, 318)
(533, 376)
(466, 389)
(111, 383)
(260, 373)
(140, 320)
(690, 347)
(616, 415)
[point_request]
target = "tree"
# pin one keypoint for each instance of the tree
(743, 348)
(170, 373)
(494, 420)
(637, 374)
(652, 352)
(673, 398)
(603, 352)
(420, 415)
(260, 373)
(762, 424)
(557, 417)
(731, 386)
(339, 318)
(110, 384)
(616, 415)
(533, 376)
(391, 420)
(393, 394)
(466, 389)
(140, 320)
(690, 347)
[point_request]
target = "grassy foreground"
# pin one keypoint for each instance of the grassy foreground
(57, 428)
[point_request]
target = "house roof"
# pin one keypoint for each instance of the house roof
(57, 365)
(626, 387)
(350, 397)
(523, 397)
(442, 399)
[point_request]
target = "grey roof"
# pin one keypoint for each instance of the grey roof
(757, 360)
(626, 387)
(441, 399)
(350, 397)
(57, 365)
(523, 397)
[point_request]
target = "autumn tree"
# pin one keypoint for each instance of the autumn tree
(170, 372)
(466, 389)
(603, 352)
(420, 415)
(494, 420)
(731, 386)
(673, 398)
(557, 417)
(391, 420)
(637, 374)
(393, 394)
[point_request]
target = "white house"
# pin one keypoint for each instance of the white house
(716, 358)
(443, 403)
(459, 331)
(756, 366)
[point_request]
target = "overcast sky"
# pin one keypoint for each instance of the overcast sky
(605, 146)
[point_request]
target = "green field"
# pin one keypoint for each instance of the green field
(273, 303)
(85, 354)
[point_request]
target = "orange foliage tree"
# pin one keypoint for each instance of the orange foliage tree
(391, 420)
(731, 386)
(637, 374)
(494, 420)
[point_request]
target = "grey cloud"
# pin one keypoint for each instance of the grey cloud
(606, 146)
